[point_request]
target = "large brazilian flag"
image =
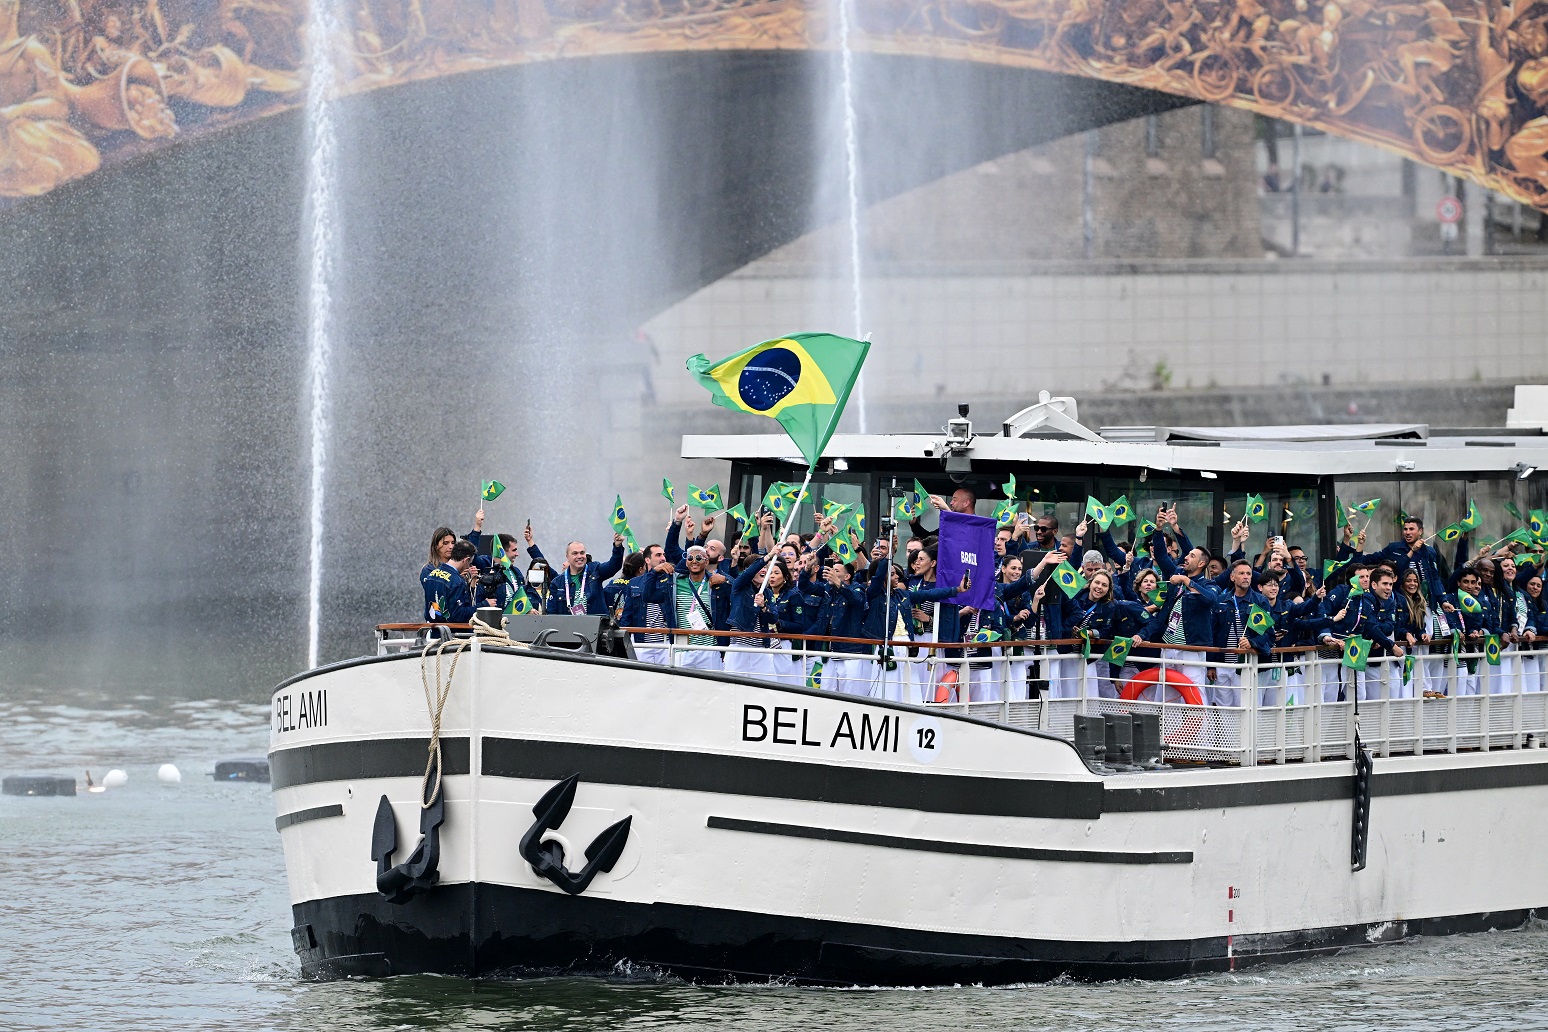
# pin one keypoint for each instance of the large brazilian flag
(802, 380)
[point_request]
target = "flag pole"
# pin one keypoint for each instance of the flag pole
(795, 507)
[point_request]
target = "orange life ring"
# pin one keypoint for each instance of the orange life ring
(1178, 681)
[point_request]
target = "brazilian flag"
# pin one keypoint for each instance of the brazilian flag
(1068, 579)
(1537, 523)
(1357, 652)
(1468, 604)
(708, 500)
(1408, 668)
(1097, 511)
(794, 494)
(520, 603)
(1355, 591)
(984, 635)
(1120, 512)
(1257, 510)
(1146, 528)
(619, 519)
(1368, 507)
(905, 509)
(841, 546)
(775, 500)
(1010, 486)
(1452, 532)
(921, 496)
(1472, 519)
(834, 511)
(1328, 566)
(490, 490)
(814, 679)
(1520, 534)
(666, 492)
(1456, 643)
(1085, 642)
(1492, 646)
(736, 512)
(1119, 650)
(1259, 620)
(1341, 514)
(1005, 513)
(857, 522)
(803, 381)
(1156, 595)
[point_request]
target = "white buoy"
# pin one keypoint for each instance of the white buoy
(115, 779)
(168, 774)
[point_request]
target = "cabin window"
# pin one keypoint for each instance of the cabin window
(1439, 503)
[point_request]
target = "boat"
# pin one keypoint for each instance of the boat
(533, 799)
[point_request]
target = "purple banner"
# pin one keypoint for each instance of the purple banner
(967, 543)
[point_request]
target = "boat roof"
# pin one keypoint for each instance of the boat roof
(1339, 450)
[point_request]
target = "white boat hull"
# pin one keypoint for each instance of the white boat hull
(781, 832)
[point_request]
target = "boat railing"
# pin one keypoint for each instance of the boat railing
(1302, 704)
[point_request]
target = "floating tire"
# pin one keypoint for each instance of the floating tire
(38, 785)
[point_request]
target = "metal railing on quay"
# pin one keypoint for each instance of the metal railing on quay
(1301, 705)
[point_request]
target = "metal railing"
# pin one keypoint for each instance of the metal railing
(1301, 705)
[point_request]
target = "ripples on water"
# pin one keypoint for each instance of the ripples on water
(164, 907)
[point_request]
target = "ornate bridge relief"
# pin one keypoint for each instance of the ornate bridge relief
(1458, 85)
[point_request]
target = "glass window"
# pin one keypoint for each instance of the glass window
(1439, 503)
(1195, 509)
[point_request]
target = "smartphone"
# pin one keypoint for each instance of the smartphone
(529, 524)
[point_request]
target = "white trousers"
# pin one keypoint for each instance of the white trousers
(751, 664)
(657, 654)
(699, 659)
(1187, 663)
(1063, 674)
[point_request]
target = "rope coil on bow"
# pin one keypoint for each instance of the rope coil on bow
(435, 700)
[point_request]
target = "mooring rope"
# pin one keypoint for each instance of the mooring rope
(435, 701)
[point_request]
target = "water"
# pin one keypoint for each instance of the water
(164, 907)
(320, 221)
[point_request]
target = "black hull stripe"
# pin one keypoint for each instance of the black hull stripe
(790, 779)
(541, 931)
(315, 813)
(358, 761)
(1339, 785)
(860, 838)
(922, 790)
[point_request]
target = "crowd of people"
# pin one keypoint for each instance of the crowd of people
(793, 610)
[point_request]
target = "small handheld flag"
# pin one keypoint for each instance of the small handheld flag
(1451, 533)
(1156, 595)
(1120, 512)
(1341, 515)
(491, 490)
(1520, 536)
(619, 519)
(1005, 513)
(802, 381)
(1456, 642)
(1491, 650)
(984, 635)
(1098, 512)
(666, 492)
(1367, 507)
(497, 550)
(842, 548)
(1119, 651)
(1259, 620)
(814, 679)
(774, 499)
(708, 500)
(1084, 634)
(1068, 579)
(739, 514)
(1357, 652)
(921, 496)
(1328, 566)
(1468, 604)
(1472, 519)
(1408, 667)
(1146, 528)
(1257, 511)
(1010, 486)
(1537, 523)
(1355, 591)
(834, 511)
(520, 603)
(905, 509)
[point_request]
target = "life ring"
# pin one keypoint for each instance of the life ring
(1178, 681)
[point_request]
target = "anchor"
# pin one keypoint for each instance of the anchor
(419, 872)
(547, 858)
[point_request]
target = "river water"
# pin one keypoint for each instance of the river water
(160, 906)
